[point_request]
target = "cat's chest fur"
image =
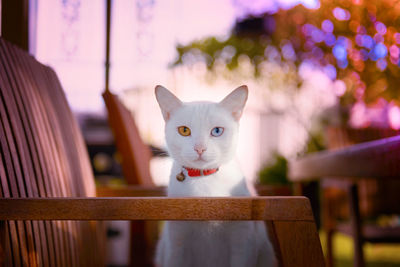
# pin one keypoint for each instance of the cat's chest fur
(227, 181)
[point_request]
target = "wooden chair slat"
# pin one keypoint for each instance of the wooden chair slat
(17, 184)
(5, 192)
(32, 190)
(11, 114)
(37, 246)
(21, 140)
(18, 84)
(31, 141)
(135, 154)
(44, 122)
(3, 249)
(13, 244)
(60, 189)
(50, 159)
(11, 160)
(27, 103)
(48, 237)
(12, 259)
(28, 172)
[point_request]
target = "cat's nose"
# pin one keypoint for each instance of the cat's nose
(199, 149)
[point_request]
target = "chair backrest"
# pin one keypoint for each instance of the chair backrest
(292, 229)
(135, 154)
(43, 155)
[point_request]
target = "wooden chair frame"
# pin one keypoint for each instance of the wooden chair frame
(290, 219)
(136, 156)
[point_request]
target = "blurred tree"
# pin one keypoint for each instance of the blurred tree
(355, 41)
(275, 173)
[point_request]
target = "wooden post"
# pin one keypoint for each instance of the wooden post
(14, 22)
(108, 44)
(2, 243)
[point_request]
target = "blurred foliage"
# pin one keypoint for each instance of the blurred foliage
(275, 173)
(356, 41)
(315, 143)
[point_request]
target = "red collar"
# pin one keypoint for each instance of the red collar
(197, 172)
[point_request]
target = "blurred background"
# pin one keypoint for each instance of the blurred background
(201, 50)
(322, 74)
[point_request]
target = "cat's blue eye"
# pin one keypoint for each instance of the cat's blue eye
(217, 131)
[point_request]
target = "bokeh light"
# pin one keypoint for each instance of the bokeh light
(341, 14)
(394, 117)
(339, 51)
(327, 26)
(380, 50)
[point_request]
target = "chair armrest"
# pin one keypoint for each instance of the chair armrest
(152, 208)
(131, 191)
(367, 160)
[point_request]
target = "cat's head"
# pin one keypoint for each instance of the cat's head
(202, 135)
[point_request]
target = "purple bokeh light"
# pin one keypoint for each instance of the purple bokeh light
(341, 14)
(327, 26)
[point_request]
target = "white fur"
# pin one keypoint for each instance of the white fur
(241, 243)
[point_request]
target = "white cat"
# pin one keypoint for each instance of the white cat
(201, 138)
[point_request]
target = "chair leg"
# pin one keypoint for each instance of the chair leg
(329, 248)
(329, 224)
(140, 245)
(356, 227)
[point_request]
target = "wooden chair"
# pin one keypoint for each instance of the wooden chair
(290, 222)
(135, 156)
(42, 155)
(376, 159)
(49, 215)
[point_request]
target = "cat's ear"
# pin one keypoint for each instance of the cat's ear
(235, 101)
(168, 102)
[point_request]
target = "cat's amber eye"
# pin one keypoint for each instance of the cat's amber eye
(217, 131)
(184, 131)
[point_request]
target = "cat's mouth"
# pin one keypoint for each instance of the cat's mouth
(199, 163)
